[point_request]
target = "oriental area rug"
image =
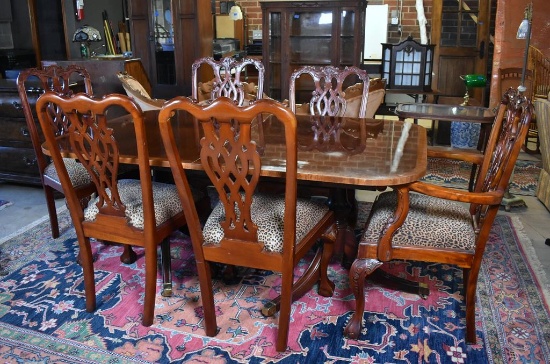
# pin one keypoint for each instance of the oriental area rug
(456, 174)
(4, 204)
(43, 319)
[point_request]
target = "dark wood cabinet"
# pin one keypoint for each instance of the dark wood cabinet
(17, 158)
(298, 33)
(168, 51)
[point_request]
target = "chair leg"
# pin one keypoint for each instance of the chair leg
(52, 211)
(470, 287)
(166, 268)
(87, 264)
(207, 296)
(150, 284)
(359, 271)
(326, 286)
(284, 313)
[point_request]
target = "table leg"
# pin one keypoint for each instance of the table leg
(344, 205)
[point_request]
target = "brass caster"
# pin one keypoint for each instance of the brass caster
(166, 290)
(423, 290)
(269, 309)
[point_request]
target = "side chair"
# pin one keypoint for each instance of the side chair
(230, 80)
(136, 212)
(438, 224)
(31, 83)
(249, 229)
(328, 96)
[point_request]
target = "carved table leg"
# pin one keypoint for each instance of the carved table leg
(360, 269)
(128, 255)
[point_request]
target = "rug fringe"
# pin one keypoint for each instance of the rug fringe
(534, 262)
(46, 217)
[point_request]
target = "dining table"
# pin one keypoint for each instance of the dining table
(342, 153)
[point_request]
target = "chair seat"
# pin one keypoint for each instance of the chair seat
(165, 196)
(431, 222)
(77, 172)
(268, 214)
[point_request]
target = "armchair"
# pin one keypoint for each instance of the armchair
(441, 224)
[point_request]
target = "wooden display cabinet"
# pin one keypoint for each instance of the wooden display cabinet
(168, 36)
(319, 33)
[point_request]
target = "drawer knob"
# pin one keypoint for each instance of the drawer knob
(24, 131)
(17, 105)
(29, 161)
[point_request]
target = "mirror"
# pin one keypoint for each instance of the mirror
(164, 41)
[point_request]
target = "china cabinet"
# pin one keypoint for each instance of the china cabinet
(299, 33)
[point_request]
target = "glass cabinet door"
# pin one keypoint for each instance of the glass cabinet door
(164, 42)
(311, 37)
(275, 55)
(347, 38)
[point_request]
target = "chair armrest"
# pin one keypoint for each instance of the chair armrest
(448, 193)
(467, 155)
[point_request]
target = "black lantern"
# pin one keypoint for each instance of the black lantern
(408, 65)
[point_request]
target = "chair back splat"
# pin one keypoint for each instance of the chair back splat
(439, 224)
(246, 228)
(230, 80)
(127, 211)
(31, 83)
(328, 84)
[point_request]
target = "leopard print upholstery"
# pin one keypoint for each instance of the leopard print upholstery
(77, 172)
(268, 213)
(431, 222)
(165, 197)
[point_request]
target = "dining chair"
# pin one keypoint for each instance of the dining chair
(136, 212)
(511, 77)
(230, 80)
(327, 95)
(31, 83)
(249, 229)
(438, 224)
(328, 99)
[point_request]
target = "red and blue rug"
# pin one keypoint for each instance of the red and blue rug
(43, 319)
(456, 174)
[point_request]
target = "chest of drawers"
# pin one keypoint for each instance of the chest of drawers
(17, 157)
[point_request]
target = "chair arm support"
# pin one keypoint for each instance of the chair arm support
(467, 155)
(484, 198)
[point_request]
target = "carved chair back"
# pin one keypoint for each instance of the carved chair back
(328, 96)
(229, 79)
(32, 82)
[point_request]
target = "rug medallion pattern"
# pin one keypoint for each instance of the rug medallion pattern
(43, 318)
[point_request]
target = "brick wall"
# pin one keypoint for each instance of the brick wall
(409, 22)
